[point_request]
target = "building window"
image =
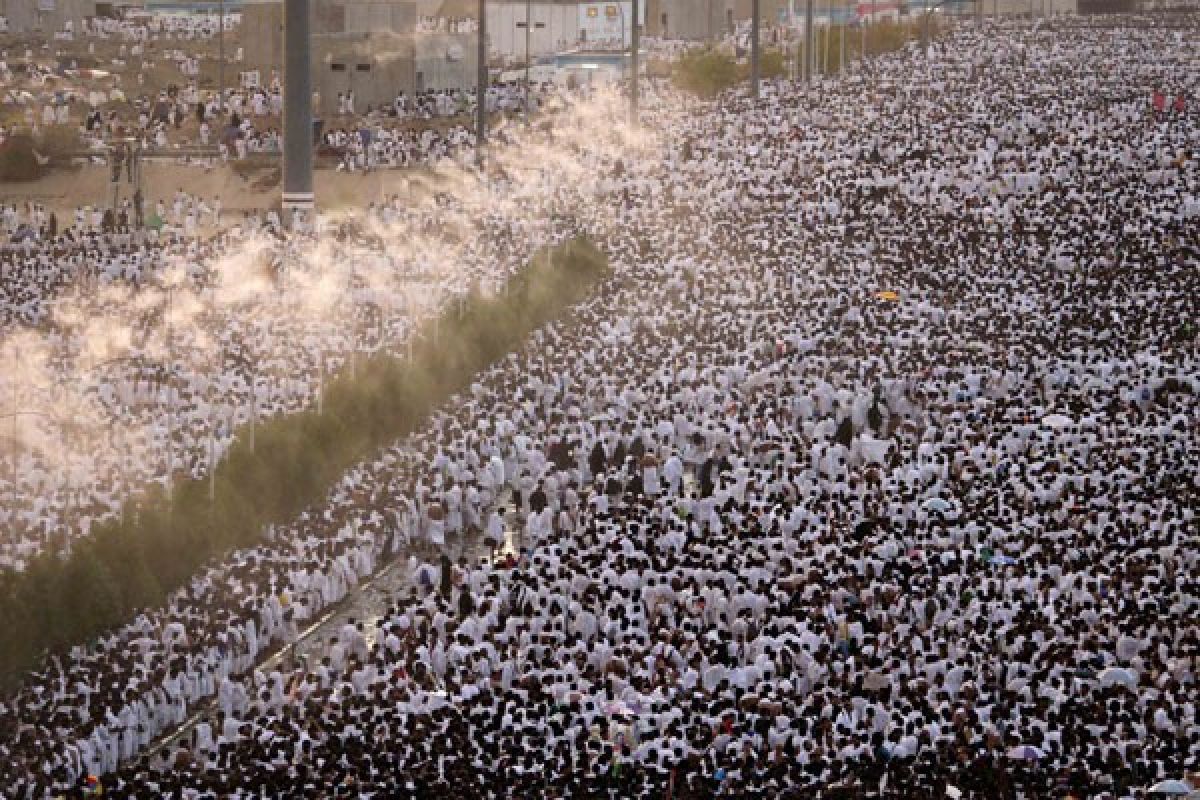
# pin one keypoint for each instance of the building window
(363, 67)
(338, 67)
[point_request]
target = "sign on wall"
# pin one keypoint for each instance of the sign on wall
(608, 24)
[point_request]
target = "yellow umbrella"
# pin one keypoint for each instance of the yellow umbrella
(887, 294)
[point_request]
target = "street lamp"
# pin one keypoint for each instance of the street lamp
(809, 55)
(221, 60)
(929, 9)
(481, 85)
(755, 57)
(64, 423)
(635, 37)
(528, 26)
(164, 383)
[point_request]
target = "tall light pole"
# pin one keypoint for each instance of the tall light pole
(635, 39)
(528, 25)
(755, 52)
(842, 46)
(874, 19)
(481, 86)
(221, 58)
(825, 37)
(16, 442)
(170, 397)
(297, 107)
(862, 38)
(809, 55)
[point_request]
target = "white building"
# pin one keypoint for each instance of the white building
(45, 16)
(558, 25)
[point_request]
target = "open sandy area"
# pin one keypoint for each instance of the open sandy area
(64, 190)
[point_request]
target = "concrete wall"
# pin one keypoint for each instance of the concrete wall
(331, 16)
(377, 67)
(327, 17)
(690, 19)
(445, 61)
(564, 26)
(706, 19)
(363, 16)
(364, 56)
(352, 63)
(507, 42)
(262, 33)
(1039, 8)
(46, 16)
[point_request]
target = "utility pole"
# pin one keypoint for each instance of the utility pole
(221, 58)
(874, 18)
(793, 58)
(755, 51)
(170, 372)
(16, 442)
(528, 28)
(808, 41)
(481, 86)
(842, 47)
(825, 34)
(635, 37)
(297, 107)
(528, 25)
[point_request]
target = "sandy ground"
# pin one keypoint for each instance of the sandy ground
(67, 189)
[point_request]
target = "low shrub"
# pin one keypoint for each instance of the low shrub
(706, 72)
(18, 161)
(59, 142)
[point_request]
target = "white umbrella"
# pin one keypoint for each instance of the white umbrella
(953, 791)
(937, 504)
(1173, 787)
(1115, 675)
(1027, 752)
(1057, 421)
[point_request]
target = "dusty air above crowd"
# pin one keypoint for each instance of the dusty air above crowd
(856, 452)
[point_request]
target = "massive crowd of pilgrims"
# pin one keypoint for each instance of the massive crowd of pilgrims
(65, 85)
(872, 471)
